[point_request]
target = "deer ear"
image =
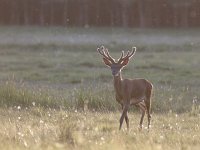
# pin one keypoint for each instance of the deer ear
(107, 62)
(125, 62)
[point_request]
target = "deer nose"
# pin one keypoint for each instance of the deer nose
(114, 73)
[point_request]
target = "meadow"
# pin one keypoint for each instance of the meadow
(55, 92)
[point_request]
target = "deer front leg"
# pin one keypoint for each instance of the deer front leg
(126, 118)
(124, 115)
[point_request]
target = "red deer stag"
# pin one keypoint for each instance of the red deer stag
(128, 91)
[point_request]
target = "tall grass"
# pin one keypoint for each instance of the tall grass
(95, 98)
(98, 97)
(13, 94)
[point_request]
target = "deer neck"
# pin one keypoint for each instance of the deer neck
(118, 84)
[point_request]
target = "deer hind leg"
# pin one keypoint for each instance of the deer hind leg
(142, 109)
(124, 115)
(148, 106)
(148, 115)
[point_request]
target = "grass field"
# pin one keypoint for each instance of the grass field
(55, 92)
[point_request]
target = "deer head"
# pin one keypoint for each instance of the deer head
(116, 66)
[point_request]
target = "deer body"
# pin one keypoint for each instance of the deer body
(128, 91)
(132, 91)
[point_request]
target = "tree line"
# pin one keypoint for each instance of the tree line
(85, 13)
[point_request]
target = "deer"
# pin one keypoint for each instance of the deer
(128, 92)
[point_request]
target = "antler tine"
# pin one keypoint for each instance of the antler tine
(103, 48)
(132, 52)
(104, 52)
(110, 58)
(134, 48)
(122, 55)
(128, 55)
(121, 58)
(99, 50)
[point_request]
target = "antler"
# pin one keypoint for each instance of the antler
(104, 52)
(128, 55)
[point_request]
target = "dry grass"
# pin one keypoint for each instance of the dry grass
(36, 128)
